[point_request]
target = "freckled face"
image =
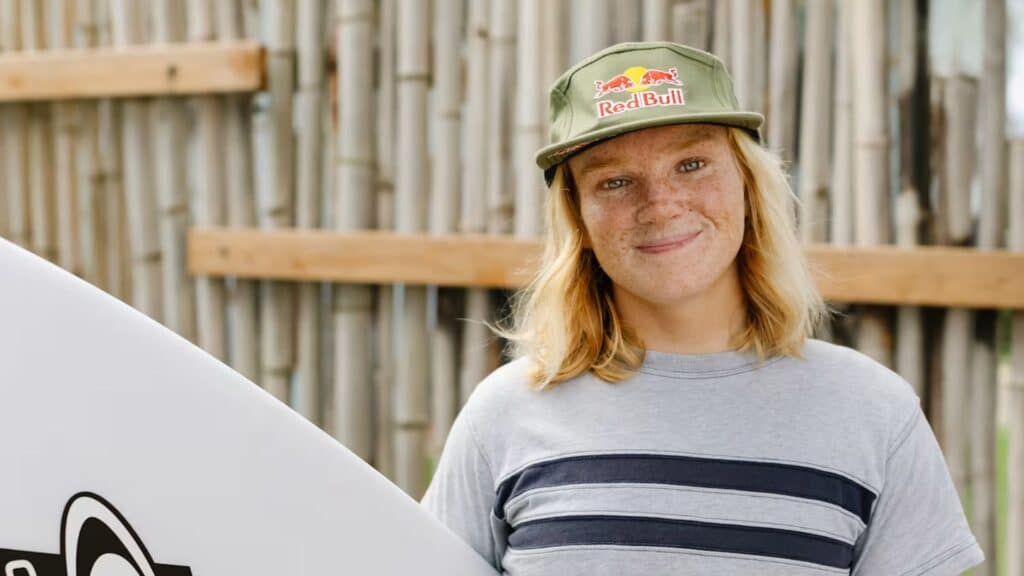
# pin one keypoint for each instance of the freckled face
(663, 209)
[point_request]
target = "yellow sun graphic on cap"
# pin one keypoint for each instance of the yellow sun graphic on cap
(636, 74)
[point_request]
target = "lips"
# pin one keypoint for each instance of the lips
(669, 243)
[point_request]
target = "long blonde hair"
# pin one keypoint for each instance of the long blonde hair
(566, 322)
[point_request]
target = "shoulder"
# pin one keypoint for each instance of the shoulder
(856, 382)
(853, 365)
(505, 387)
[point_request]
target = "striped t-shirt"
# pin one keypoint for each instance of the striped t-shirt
(705, 464)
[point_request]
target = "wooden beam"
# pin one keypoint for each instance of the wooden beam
(924, 276)
(362, 257)
(154, 70)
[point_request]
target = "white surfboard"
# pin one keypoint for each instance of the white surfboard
(126, 450)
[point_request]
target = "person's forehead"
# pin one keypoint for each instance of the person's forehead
(648, 140)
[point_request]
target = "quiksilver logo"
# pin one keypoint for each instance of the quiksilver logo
(95, 540)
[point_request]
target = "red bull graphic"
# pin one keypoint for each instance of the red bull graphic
(617, 84)
(636, 81)
(655, 77)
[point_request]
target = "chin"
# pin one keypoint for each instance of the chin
(667, 292)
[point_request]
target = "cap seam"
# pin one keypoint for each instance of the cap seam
(629, 47)
(723, 98)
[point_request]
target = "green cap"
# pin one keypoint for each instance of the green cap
(638, 85)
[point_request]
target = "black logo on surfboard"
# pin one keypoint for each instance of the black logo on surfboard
(95, 540)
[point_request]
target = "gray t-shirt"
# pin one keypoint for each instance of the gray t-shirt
(705, 464)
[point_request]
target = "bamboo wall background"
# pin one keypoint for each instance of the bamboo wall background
(418, 116)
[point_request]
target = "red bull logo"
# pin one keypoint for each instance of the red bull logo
(636, 81)
(619, 83)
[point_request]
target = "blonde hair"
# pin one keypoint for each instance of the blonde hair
(565, 320)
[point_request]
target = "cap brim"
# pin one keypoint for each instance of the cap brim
(549, 157)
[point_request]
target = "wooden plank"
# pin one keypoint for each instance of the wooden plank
(171, 69)
(369, 257)
(922, 276)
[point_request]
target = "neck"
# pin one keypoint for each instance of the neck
(704, 323)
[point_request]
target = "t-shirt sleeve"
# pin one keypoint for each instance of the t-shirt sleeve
(918, 525)
(461, 492)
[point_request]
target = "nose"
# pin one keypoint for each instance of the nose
(661, 201)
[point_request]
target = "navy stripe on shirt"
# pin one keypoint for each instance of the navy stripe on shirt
(751, 476)
(671, 533)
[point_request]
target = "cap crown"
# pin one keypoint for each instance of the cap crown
(638, 85)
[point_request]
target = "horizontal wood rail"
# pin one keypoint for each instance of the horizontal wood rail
(144, 70)
(924, 276)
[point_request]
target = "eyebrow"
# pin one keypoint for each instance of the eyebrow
(673, 145)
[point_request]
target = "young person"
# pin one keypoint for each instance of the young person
(669, 411)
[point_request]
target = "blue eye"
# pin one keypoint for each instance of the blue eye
(614, 183)
(691, 165)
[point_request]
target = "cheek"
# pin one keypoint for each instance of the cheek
(728, 208)
(602, 225)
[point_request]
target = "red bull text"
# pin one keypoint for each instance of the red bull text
(638, 100)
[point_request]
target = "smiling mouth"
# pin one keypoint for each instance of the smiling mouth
(669, 243)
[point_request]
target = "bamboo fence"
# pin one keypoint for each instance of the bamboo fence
(422, 118)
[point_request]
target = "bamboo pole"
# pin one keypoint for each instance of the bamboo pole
(960, 103)
(14, 116)
(5, 39)
(66, 129)
(1015, 395)
(170, 170)
(955, 373)
(530, 123)
(870, 135)
(625, 20)
(475, 179)
(959, 111)
(592, 27)
(448, 22)
(89, 183)
(110, 129)
(983, 420)
(870, 160)
(747, 51)
(910, 338)
(910, 342)
(555, 47)
(843, 176)
(353, 399)
(329, 144)
(308, 102)
(139, 195)
(241, 296)
(384, 369)
(721, 35)
(274, 161)
(656, 22)
(502, 79)
(411, 418)
(982, 436)
(781, 129)
(42, 200)
(498, 151)
(208, 204)
(690, 23)
(814, 123)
